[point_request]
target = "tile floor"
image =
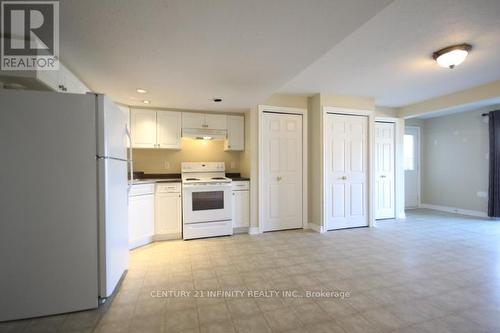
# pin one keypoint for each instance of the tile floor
(432, 272)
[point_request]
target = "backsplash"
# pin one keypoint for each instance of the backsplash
(169, 161)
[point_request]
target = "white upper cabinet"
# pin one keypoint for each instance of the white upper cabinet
(143, 126)
(216, 121)
(235, 133)
(168, 129)
(156, 129)
(193, 120)
(204, 121)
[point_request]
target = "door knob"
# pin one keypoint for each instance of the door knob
(383, 176)
(343, 177)
(278, 178)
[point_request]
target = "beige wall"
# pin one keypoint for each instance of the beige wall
(293, 101)
(155, 160)
(386, 112)
(315, 204)
(246, 155)
(454, 161)
(351, 102)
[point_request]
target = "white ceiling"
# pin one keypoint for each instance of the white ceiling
(389, 57)
(186, 52)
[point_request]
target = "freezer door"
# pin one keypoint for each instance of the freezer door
(111, 129)
(48, 204)
(113, 223)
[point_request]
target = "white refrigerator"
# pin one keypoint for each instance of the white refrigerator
(63, 202)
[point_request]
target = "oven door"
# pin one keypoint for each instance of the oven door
(206, 203)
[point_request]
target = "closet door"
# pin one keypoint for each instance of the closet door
(384, 171)
(282, 171)
(346, 171)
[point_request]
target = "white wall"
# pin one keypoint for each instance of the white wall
(455, 161)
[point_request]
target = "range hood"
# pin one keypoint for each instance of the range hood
(204, 134)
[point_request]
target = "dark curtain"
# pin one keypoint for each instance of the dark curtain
(494, 182)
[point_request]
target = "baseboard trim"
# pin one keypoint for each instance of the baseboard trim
(253, 231)
(140, 242)
(165, 237)
(455, 210)
(240, 230)
(315, 227)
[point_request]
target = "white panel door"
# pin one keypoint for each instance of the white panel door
(384, 171)
(168, 129)
(412, 166)
(168, 213)
(143, 124)
(241, 209)
(346, 171)
(216, 121)
(141, 211)
(282, 171)
(235, 133)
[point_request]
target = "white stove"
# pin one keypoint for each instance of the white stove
(203, 180)
(207, 210)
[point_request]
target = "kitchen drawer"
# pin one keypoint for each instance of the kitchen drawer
(240, 185)
(142, 189)
(168, 188)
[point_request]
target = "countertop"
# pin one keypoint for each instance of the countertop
(143, 178)
(154, 181)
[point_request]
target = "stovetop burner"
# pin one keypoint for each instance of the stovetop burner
(218, 178)
(192, 179)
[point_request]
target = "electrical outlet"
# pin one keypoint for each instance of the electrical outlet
(233, 165)
(482, 194)
(167, 165)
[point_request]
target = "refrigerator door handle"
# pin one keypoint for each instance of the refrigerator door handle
(130, 163)
(130, 158)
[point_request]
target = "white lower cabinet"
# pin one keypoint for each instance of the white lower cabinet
(141, 212)
(241, 204)
(168, 211)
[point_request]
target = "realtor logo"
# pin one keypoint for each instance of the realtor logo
(30, 35)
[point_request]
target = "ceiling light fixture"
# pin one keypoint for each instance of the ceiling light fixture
(452, 56)
(146, 101)
(217, 100)
(141, 91)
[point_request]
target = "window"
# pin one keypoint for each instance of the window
(409, 147)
